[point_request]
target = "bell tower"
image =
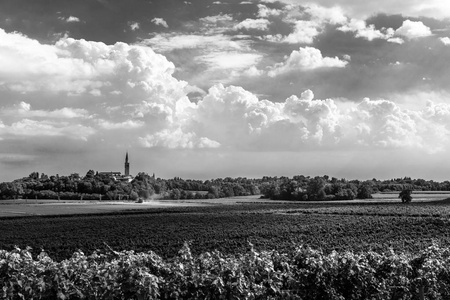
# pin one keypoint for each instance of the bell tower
(127, 166)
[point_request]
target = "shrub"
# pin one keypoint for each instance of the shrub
(304, 273)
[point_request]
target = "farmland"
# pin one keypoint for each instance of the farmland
(237, 248)
(229, 228)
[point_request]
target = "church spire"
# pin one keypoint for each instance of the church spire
(127, 165)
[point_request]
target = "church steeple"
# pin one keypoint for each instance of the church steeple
(127, 165)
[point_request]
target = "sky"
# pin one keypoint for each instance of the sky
(205, 89)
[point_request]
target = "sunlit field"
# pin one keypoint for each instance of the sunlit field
(22, 207)
(163, 245)
(226, 224)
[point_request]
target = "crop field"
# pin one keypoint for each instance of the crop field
(230, 228)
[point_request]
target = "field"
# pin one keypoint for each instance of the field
(266, 250)
(357, 226)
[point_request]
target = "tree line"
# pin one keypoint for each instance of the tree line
(98, 186)
(326, 188)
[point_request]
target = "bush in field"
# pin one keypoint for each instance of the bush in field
(405, 195)
(304, 273)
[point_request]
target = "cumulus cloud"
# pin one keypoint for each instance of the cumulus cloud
(160, 22)
(253, 24)
(304, 33)
(177, 139)
(139, 95)
(265, 12)
(308, 21)
(411, 30)
(445, 40)
(382, 123)
(80, 67)
(306, 58)
(134, 86)
(332, 15)
(233, 118)
(22, 120)
(368, 32)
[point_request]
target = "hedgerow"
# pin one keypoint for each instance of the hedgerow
(303, 273)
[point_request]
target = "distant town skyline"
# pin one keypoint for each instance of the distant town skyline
(206, 89)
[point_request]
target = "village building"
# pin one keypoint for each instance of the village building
(118, 175)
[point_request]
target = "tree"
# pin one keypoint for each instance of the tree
(175, 194)
(405, 195)
(90, 174)
(316, 189)
(364, 191)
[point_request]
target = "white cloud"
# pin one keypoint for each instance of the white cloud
(233, 118)
(217, 51)
(308, 21)
(255, 24)
(383, 124)
(412, 30)
(38, 129)
(22, 120)
(177, 139)
(438, 9)
(332, 15)
(217, 19)
(252, 71)
(24, 110)
(168, 42)
(134, 26)
(230, 60)
(265, 12)
(214, 25)
(160, 22)
(133, 87)
(129, 124)
(396, 40)
(306, 58)
(80, 67)
(361, 30)
(409, 30)
(304, 33)
(217, 54)
(138, 94)
(70, 19)
(445, 40)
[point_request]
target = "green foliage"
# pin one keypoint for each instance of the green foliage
(302, 273)
(73, 187)
(405, 195)
(105, 186)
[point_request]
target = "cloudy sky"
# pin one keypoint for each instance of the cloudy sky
(205, 89)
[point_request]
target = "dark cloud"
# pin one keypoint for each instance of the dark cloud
(386, 21)
(375, 69)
